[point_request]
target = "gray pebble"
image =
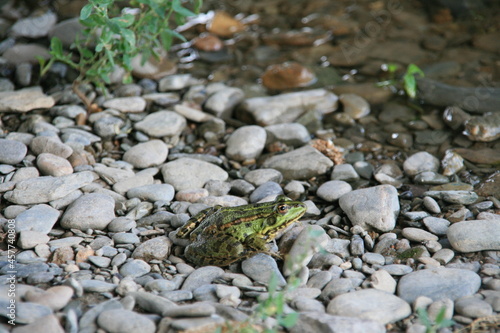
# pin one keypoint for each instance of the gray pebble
(332, 190)
(90, 211)
(436, 225)
(398, 269)
(147, 154)
(125, 238)
(189, 173)
(39, 218)
(475, 235)
(370, 304)
(125, 321)
(201, 276)
(100, 261)
(302, 163)
(97, 286)
(223, 101)
(418, 235)
(438, 283)
(420, 162)
(373, 258)
(455, 197)
(473, 307)
(126, 104)
(261, 176)
(11, 151)
(121, 224)
(291, 134)
(431, 205)
(376, 207)
(246, 143)
(135, 268)
(53, 165)
(382, 280)
(265, 190)
(344, 172)
(261, 267)
(162, 123)
(157, 248)
(45, 144)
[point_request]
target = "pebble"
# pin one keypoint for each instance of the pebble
(301, 163)
(420, 162)
(291, 134)
(398, 269)
(246, 143)
(261, 267)
(373, 258)
(126, 321)
(125, 238)
(475, 235)
(126, 104)
(157, 248)
(483, 128)
(454, 197)
(376, 207)
(40, 218)
(370, 304)
(436, 225)
(189, 173)
(266, 190)
(28, 239)
(222, 102)
(47, 188)
(355, 106)
(438, 283)
(12, 152)
(261, 176)
(135, 268)
(55, 298)
(320, 322)
(162, 123)
(431, 205)
(332, 190)
(138, 180)
(201, 276)
(344, 172)
(285, 108)
(153, 193)
(49, 323)
(90, 211)
(53, 165)
(418, 235)
(147, 154)
(473, 307)
(287, 75)
(382, 280)
(35, 26)
(51, 145)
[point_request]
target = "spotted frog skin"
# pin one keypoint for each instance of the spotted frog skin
(221, 236)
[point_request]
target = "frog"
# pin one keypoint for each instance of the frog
(221, 236)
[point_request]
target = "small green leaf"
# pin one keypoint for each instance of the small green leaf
(56, 47)
(177, 7)
(289, 320)
(129, 36)
(86, 11)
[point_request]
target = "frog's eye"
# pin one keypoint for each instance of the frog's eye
(283, 209)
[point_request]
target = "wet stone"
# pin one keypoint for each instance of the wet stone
(455, 197)
(485, 128)
(222, 102)
(355, 106)
(431, 205)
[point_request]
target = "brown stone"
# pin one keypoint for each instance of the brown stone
(224, 25)
(208, 43)
(288, 75)
(83, 254)
(62, 255)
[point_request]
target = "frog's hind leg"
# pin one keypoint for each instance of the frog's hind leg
(218, 251)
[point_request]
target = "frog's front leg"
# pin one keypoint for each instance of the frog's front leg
(219, 251)
(256, 244)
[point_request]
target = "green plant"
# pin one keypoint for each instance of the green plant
(438, 323)
(409, 81)
(112, 38)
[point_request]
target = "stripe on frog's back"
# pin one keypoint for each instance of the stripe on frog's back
(253, 217)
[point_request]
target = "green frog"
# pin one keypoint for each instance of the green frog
(223, 235)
